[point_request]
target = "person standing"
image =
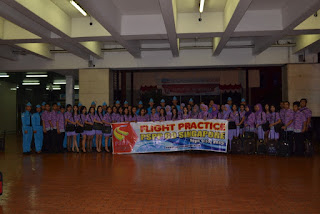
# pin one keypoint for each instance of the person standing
(46, 125)
(274, 119)
(98, 120)
(43, 107)
(260, 118)
(151, 104)
(90, 133)
(288, 125)
(154, 116)
(107, 120)
(140, 106)
(60, 129)
(26, 129)
(104, 108)
(37, 129)
(308, 114)
(163, 103)
(54, 133)
(175, 102)
(299, 127)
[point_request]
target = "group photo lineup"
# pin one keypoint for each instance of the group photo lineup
(283, 129)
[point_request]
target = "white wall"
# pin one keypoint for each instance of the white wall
(157, 59)
(303, 81)
(8, 107)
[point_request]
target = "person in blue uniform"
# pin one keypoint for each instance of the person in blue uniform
(140, 106)
(163, 103)
(118, 104)
(175, 102)
(37, 129)
(151, 104)
(26, 129)
(59, 106)
(104, 108)
(43, 107)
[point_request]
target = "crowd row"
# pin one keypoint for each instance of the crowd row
(53, 125)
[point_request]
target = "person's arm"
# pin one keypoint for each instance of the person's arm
(58, 128)
(44, 127)
(23, 123)
(33, 122)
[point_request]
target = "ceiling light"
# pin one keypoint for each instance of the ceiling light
(54, 89)
(59, 82)
(36, 75)
(76, 87)
(78, 8)
(4, 75)
(13, 89)
(201, 5)
(30, 83)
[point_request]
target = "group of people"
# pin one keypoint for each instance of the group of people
(57, 127)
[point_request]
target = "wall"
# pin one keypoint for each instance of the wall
(302, 81)
(158, 59)
(8, 107)
(94, 86)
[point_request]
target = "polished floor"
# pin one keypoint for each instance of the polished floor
(157, 183)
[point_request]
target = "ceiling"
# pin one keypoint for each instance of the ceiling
(192, 6)
(67, 8)
(268, 4)
(42, 30)
(137, 7)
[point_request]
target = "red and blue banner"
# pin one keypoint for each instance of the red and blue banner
(170, 136)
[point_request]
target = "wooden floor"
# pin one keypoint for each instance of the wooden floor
(157, 183)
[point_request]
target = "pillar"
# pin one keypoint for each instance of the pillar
(70, 89)
(94, 85)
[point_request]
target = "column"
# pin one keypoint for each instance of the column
(70, 89)
(94, 86)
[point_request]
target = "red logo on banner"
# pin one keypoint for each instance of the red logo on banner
(123, 138)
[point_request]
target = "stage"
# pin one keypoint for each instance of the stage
(181, 182)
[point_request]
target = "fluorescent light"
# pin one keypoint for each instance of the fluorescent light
(78, 8)
(76, 87)
(54, 89)
(59, 82)
(201, 5)
(30, 83)
(4, 75)
(13, 89)
(36, 75)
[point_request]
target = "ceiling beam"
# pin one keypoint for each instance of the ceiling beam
(21, 16)
(293, 14)
(233, 13)
(109, 16)
(169, 13)
(7, 52)
(39, 49)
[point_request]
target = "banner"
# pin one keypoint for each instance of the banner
(170, 136)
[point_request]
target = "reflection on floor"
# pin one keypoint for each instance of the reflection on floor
(157, 183)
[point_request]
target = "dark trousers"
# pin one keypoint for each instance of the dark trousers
(299, 143)
(288, 137)
(53, 143)
(60, 139)
(46, 141)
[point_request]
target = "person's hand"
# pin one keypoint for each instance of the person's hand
(45, 131)
(58, 131)
(270, 125)
(283, 127)
(26, 132)
(34, 131)
(257, 126)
